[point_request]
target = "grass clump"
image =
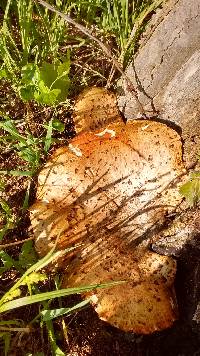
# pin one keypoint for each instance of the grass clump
(32, 37)
(29, 49)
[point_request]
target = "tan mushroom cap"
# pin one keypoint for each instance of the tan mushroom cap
(110, 190)
(144, 304)
(145, 309)
(94, 107)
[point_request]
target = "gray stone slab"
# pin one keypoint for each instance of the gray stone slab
(166, 72)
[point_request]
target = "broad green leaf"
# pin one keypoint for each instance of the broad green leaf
(55, 76)
(30, 77)
(191, 189)
(45, 95)
(7, 262)
(48, 73)
(64, 68)
(29, 81)
(3, 74)
(47, 85)
(58, 125)
(56, 350)
(27, 257)
(30, 74)
(27, 92)
(63, 84)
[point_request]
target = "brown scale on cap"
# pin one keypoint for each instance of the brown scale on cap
(109, 190)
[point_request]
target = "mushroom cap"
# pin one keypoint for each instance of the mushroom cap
(141, 308)
(94, 108)
(110, 190)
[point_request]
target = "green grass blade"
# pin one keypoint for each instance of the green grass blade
(54, 313)
(48, 258)
(26, 198)
(7, 9)
(48, 138)
(20, 302)
(9, 126)
(10, 322)
(55, 348)
(6, 208)
(17, 173)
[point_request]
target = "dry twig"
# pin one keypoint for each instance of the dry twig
(15, 243)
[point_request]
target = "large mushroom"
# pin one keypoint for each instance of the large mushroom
(110, 190)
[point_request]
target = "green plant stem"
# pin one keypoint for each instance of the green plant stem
(2, 247)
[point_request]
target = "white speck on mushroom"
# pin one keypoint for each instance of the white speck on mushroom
(144, 127)
(111, 132)
(45, 201)
(75, 150)
(94, 299)
(172, 303)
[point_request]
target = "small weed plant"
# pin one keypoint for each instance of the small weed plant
(30, 55)
(30, 148)
(24, 52)
(191, 189)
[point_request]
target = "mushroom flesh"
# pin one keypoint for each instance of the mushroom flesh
(110, 190)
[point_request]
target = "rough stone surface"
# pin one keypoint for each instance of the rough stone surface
(166, 72)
